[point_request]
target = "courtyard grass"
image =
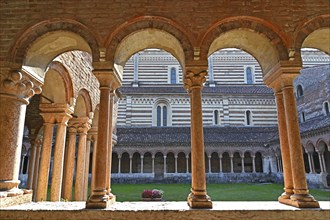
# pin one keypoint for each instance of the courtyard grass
(218, 192)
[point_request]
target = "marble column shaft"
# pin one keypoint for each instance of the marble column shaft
(44, 163)
(198, 197)
(57, 174)
(70, 159)
(87, 155)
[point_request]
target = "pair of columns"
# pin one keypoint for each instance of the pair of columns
(52, 114)
(321, 161)
(101, 196)
(77, 127)
(296, 192)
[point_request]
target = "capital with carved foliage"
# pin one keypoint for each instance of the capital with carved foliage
(194, 78)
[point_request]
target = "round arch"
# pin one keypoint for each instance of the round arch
(58, 86)
(39, 44)
(256, 36)
(314, 33)
(83, 106)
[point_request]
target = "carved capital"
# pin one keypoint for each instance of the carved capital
(81, 124)
(194, 79)
(18, 84)
(55, 113)
(107, 78)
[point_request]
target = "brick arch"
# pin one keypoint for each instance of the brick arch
(310, 27)
(88, 102)
(149, 23)
(65, 75)
(25, 39)
(256, 31)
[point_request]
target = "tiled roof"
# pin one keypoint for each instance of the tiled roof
(315, 123)
(221, 89)
(162, 136)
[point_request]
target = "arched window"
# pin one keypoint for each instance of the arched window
(303, 119)
(249, 75)
(216, 117)
(173, 75)
(162, 115)
(300, 91)
(248, 117)
(326, 108)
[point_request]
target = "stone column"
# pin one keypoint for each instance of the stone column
(44, 163)
(110, 144)
(254, 163)
(176, 163)
(87, 155)
(209, 161)
(165, 171)
(242, 162)
(141, 163)
(193, 80)
(109, 80)
(281, 80)
(80, 167)
(70, 159)
(220, 163)
(320, 161)
(57, 174)
(94, 160)
(231, 164)
(36, 166)
(153, 164)
(130, 164)
(15, 89)
(187, 164)
(32, 159)
(311, 164)
(323, 163)
(119, 163)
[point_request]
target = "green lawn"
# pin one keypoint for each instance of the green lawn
(218, 192)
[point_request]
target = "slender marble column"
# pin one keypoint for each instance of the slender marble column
(320, 161)
(57, 174)
(209, 161)
(254, 163)
(80, 168)
(323, 163)
(220, 163)
(231, 164)
(130, 164)
(87, 155)
(36, 167)
(187, 164)
(70, 159)
(141, 157)
(153, 164)
(285, 151)
(176, 163)
(198, 197)
(94, 162)
(165, 170)
(311, 165)
(32, 161)
(119, 164)
(300, 189)
(109, 80)
(242, 162)
(110, 145)
(46, 150)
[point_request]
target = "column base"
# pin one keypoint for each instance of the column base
(10, 200)
(199, 202)
(100, 201)
(299, 201)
